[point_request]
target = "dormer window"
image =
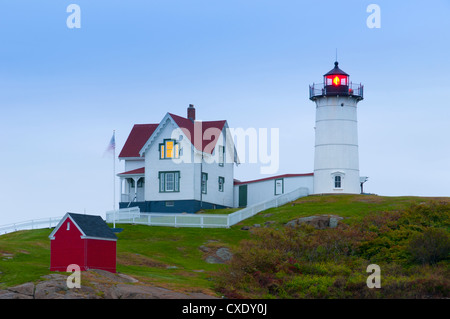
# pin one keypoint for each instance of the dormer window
(169, 149)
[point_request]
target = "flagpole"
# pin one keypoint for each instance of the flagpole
(114, 177)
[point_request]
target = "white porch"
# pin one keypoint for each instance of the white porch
(132, 186)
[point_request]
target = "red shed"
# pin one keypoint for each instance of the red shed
(85, 240)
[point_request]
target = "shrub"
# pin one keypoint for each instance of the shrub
(308, 263)
(431, 246)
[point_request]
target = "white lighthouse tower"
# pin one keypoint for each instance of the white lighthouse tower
(336, 160)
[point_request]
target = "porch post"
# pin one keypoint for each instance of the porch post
(121, 188)
(136, 179)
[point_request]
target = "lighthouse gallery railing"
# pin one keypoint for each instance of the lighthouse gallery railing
(320, 89)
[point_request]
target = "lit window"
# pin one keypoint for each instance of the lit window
(169, 149)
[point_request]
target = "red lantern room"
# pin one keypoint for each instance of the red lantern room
(336, 82)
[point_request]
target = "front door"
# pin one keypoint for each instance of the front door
(242, 195)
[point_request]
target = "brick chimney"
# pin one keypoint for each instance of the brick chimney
(191, 112)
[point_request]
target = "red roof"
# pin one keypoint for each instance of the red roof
(206, 142)
(236, 182)
(139, 135)
(134, 171)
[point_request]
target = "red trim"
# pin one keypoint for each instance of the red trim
(134, 171)
(236, 182)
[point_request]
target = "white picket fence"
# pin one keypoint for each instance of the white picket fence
(134, 216)
(30, 224)
(280, 200)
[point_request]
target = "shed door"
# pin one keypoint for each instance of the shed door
(242, 195)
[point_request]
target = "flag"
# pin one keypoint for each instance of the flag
(112, 145)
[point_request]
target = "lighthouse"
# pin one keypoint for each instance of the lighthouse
(336, 159)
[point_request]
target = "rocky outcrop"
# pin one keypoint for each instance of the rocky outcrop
(214, 253)
(318, 222)
(95, 284)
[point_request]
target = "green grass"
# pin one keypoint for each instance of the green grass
(24, 256)
(353, 207)
(221, 211)
(171, 257)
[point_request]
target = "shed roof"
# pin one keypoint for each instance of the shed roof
(89, 225)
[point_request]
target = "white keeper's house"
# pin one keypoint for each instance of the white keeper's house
(185, 165)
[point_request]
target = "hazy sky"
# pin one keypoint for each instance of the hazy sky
(63, 91)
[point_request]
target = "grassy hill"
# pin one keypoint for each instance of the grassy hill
(175, 257)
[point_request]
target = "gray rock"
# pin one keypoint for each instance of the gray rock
(204, 248)
(95, 284)
(333, 222)
(25, 289)
(214, 260)
(224, 254)
(318, 222)
(171, 267)
(221, 256)
(6, 294)
(292, 223)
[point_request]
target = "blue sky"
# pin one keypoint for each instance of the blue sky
(63, 91)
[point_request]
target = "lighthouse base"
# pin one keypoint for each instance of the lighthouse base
(336, 182)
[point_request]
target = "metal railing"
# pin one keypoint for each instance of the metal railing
(30, 224)
(133, 215)
(320, 89)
